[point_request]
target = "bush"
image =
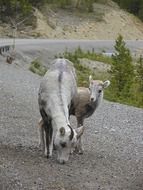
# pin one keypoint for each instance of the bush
(133, 6)
(37, 67)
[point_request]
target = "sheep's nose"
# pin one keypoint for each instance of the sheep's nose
(92, 99)
(62, 161)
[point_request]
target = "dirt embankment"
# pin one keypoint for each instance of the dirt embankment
(106, 22)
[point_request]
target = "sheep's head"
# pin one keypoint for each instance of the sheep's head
(96, 88)
(66, 139)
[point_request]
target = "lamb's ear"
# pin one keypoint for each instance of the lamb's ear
(79, 131)
(106, 84)
(62, 131)
(90, 78)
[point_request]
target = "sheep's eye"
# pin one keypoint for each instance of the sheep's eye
(99, 91)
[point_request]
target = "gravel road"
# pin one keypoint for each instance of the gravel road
(113, 142)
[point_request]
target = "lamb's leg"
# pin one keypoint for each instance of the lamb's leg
(79, 148)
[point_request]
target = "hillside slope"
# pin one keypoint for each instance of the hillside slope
(106, 22)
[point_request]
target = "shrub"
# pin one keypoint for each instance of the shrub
(37, 67)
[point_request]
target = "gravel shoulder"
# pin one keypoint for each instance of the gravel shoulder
(113, 142)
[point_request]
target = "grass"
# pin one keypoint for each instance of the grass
(83, 72)
(37, 67)
(91, 55)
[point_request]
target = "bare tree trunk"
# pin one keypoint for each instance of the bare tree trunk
(78, 3)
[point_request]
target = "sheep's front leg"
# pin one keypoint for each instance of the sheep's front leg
(79, 148)
(51, 145)
(41, 135)
(47, 144)
(49, 139)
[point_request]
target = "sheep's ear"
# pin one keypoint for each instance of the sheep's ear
(90, 78)
(106, 84)
(79, 131)
(62, 131)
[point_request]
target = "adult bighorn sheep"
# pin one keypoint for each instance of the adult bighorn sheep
(88, 101)
(58, 91)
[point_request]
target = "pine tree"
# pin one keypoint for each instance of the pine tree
(122, 69)
(140, 73)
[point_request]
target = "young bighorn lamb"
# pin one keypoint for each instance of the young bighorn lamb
(88, 101)
(58, 91)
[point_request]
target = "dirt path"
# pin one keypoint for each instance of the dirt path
(113, 140)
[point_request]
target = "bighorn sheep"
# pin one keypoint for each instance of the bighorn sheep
(58, 91)
(88, 101)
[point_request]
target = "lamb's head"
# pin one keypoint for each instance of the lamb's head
(65, 140)
(96, 88)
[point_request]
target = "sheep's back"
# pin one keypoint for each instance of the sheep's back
(83, 100)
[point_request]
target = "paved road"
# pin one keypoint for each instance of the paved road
(61, 45)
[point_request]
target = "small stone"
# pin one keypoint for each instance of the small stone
(112, 130)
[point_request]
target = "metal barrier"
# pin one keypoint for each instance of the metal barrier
(4, 49)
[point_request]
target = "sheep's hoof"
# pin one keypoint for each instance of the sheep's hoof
(72, 151)
(54, 147)
(46, 154)
(78, 150)
(41, 147)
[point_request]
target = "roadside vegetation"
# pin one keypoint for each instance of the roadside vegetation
(92, 55)
(133, 6)
(83, 71)
(13, 8)
(37, 67)
(126, 77)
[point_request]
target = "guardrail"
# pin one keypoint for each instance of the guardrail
(7, 51)
(4, 49)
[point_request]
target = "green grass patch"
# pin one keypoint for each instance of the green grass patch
(91, 55)
(37, 67)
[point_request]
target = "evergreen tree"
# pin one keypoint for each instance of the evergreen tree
(122, 69)
(133, 6)
(140, 73)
